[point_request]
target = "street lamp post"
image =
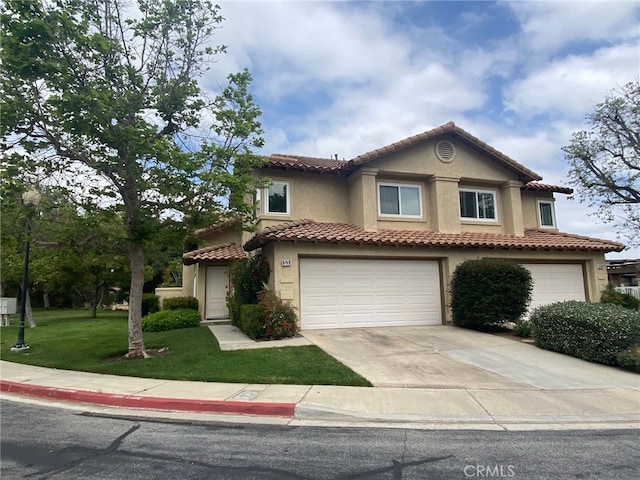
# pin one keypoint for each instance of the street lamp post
(30, 200)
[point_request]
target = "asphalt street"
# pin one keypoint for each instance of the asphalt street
(41, 442)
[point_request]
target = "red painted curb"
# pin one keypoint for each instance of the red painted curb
(156, 403)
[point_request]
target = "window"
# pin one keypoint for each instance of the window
(400, 200)
(277, 196)
(546, 214)
(478, 204)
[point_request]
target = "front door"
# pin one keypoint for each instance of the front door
(216, 292)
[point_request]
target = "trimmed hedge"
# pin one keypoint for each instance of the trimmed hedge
(180, 303)
(170, 320)
(489, 291)
(150, 303)
(252, 320)
(595, 332)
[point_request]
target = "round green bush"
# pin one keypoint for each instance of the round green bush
(150, 303)
(180, 303)
(170, 320)
(489, 291)
(597, 332)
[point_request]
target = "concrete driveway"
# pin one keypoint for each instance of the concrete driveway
(449, 357)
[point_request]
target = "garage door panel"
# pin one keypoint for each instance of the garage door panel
(556, 283)
(345, 293)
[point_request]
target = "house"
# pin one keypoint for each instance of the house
(373, 241)
(624, 273)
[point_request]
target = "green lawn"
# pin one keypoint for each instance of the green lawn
(70, 339)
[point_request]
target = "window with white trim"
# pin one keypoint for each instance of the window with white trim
(478, 205)
(399, 200)
(546, 214)
(277, 199)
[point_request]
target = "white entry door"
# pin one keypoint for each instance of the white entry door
(216, 292)
(348, 293)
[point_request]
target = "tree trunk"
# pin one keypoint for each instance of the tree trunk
(45, 299)
(136, 342)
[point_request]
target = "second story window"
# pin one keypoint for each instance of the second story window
(400, 200)
(478, 205)
(277, 198)
(546, 214)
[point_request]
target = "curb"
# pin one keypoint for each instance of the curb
(154, 403)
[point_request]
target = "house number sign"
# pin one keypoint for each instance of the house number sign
(286, 263)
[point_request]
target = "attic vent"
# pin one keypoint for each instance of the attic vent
(445, 151)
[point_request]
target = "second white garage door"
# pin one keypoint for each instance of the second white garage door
(555, 283)
(347, 293)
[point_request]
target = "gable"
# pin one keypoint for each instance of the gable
(403, 148)
(462, 161)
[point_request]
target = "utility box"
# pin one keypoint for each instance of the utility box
(7, 307)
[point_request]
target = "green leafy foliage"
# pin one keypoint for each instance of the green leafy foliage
(271, 319)
(280, 319)
(180, 303)
(605, 161)
(611, 295)
(252, 320)
(170, 320)
(630, 359)
(248, 278)
(595, 332)
(150, 303)
(107, 102)
(488, 292)
(523, 328)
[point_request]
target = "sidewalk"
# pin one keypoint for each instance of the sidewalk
(497, 409)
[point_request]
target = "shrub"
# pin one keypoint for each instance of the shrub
(248, 278)
(252, 320)
(611, 295)
(150, 303)
(630, 359)
(234, 310)
(523, 328)
(271, 319)
(595, 332)
(489, 291)
(180, 303)
(170, 320)
(280, 318)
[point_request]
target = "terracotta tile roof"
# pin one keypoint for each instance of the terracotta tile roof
(222, 251)
(310, 231)
(545, 187)
(449, 128)
(221, 225)
(297, 162)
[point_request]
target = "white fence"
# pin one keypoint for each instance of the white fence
(635, 291)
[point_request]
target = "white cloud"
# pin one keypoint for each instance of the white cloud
(551, 26)
(361, 79)
(573, 85)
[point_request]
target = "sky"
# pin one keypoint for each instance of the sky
(347, 77)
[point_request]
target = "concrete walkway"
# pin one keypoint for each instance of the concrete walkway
(493, 388)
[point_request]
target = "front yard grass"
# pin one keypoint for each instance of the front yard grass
(71, 340)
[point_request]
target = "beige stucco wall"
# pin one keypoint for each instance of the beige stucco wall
(323, 198)
(530, 208)
(330, 198)
(285, 280)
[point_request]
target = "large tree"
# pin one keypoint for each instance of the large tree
(605, 161)
(103, 95)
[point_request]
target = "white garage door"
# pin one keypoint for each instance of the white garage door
(556, 283)
(347, 293)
